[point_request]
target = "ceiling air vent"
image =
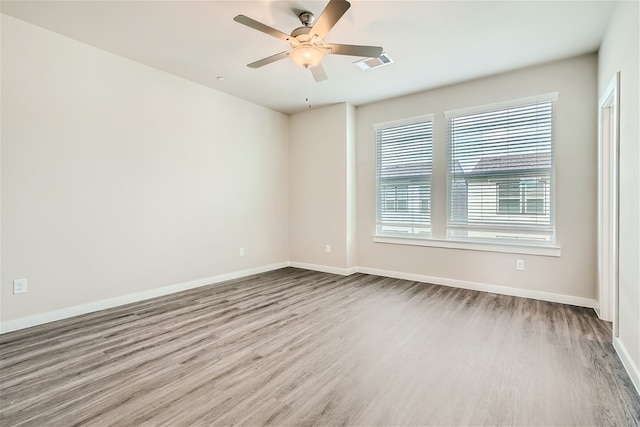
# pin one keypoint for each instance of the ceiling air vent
(369, 63)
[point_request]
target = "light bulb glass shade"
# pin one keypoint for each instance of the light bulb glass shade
(307, 56)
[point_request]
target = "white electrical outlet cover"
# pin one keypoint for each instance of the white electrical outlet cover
(20, 286)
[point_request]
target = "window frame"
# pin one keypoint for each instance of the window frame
(549, 188)
(438, 237)
(418, 188)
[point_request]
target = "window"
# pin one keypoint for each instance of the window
(500, 173)
(403, 176)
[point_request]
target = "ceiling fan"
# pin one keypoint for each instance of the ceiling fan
(307, 42)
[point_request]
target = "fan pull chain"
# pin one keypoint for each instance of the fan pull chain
(308, 86)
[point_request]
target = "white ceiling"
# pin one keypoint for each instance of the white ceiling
(433, 43)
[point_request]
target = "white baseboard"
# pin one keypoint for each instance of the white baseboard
(324, 268)
(475, 286)
(632, 369)
(52, 316)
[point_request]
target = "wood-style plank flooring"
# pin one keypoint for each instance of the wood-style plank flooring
(294, 347)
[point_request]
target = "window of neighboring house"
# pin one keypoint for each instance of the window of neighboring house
(394, 198)
(524, 196)
(500, 173)
(403, 177)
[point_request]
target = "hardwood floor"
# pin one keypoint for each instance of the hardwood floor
(294, 347)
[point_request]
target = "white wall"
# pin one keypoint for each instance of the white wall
(119, 179)
(321, 188)
(619, 52)
(573, 274)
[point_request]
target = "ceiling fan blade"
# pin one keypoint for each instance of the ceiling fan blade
(318, 73)
(261, 27)
(268, 60)
(355, 50)
(329, 16)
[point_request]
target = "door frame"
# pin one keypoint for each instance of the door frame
(608, 202)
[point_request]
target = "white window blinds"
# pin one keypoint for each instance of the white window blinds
(500, 173)
(403, 178)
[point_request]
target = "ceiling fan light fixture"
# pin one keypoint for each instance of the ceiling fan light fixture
(307, 56)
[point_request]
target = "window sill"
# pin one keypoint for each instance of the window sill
(552, 251)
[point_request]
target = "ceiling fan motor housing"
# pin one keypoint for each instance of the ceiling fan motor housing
(301, 35)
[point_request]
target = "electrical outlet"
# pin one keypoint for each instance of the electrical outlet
(20, 286)
(519, 264)
(241, 251)
(327, 249)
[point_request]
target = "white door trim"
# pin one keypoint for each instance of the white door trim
(608, 161)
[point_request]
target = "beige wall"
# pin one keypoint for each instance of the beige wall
(619, 52)
(118, 178)
(571, 274)
(321, 188)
